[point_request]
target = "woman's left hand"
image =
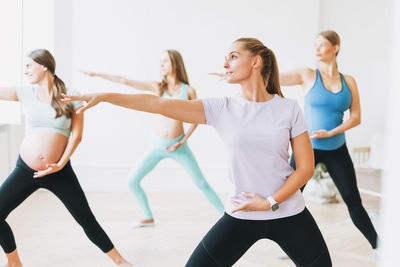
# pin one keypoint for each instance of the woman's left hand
(321, 134)
(256, 203)
(174, 147)
(50, 168)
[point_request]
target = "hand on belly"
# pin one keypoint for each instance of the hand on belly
(50, 168)
(42, 149)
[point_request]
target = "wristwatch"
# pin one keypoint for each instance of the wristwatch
(274, 205)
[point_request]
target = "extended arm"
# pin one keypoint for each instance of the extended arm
(190, 111)
(151, 86)
(295, 77)
(8, 93)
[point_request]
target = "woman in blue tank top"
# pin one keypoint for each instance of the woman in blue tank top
(328, 94)
(169, 138)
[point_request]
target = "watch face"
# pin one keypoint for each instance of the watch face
(275, 207)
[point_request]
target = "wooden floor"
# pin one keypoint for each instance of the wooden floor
(47, 236)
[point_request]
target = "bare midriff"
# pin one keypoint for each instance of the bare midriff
(167, 128)
(41, 147)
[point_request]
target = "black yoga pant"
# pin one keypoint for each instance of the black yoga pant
(298, 235)
(20, 184)
(341, 169)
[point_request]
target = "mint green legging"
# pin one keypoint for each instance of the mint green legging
(183, 156)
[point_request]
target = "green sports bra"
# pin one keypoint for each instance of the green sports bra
(183, 95)
(39, 115)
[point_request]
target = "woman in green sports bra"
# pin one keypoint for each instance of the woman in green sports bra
(169, 139)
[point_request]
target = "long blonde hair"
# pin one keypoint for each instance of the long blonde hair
(45, 58)
(178, 67)
(269, 71)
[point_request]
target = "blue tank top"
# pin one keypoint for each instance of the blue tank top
(183, 95)
(324, 110)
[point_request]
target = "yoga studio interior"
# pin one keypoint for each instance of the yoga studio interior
(109, 46)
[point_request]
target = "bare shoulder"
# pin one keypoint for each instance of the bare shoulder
(191, 92)
(349, 79)
(308, 77)
(308, 73)
(155, 87)
(351, 82)
(191, 89)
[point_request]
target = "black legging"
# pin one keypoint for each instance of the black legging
(64, 184)
(230, 238)
(341, 169)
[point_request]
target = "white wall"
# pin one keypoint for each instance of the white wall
(10, 69)
(127, 38)
(391, 218)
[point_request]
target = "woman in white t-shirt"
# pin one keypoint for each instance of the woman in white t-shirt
(256, 126)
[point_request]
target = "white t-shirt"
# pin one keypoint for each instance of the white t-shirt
(257, 136)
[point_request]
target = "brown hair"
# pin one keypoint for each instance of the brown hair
(178, 67)
(269, 71)
(44, 58)
(332, 37)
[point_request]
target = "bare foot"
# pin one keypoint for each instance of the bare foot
(117, 258)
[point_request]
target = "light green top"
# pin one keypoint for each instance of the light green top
(40, 115)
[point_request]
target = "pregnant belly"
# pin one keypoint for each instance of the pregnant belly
(41, 147)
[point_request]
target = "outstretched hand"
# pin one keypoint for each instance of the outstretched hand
(90, 99)
(220, 75)
(256, 203)
(89, 73)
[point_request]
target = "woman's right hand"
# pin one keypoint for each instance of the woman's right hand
(89, 73)
(220, 75)
(90, 99)
(174, 147)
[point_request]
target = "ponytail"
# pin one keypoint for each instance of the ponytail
(59, 106)
(269, 71)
